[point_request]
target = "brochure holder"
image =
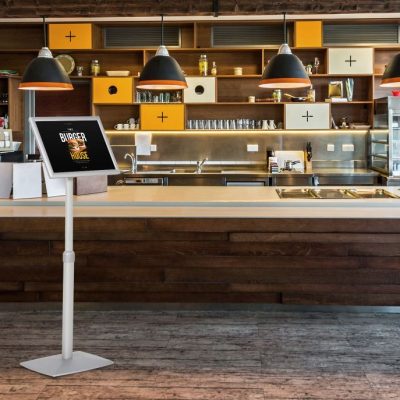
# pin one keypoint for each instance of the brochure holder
(57, 139)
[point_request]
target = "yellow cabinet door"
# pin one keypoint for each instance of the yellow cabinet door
(112, 90)
(70, 36)
(308, 34)
(162, 117)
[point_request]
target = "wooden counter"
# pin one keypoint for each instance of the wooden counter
(248, 248)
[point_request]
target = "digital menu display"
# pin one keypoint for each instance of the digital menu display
(74, 146)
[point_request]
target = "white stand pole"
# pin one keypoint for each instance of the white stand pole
(69, 362)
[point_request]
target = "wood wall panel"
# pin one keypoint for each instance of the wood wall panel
(104, 8)
(293, 261)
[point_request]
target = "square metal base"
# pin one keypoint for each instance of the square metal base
(56, 366)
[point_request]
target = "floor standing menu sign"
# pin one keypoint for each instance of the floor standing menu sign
(71, 147)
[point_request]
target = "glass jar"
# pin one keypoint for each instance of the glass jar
(95, 67)
(277, 95)
(203, 65)
(311, 95)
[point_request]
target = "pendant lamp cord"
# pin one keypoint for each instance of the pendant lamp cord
(44, 31)
(162, 29)
(284, 28)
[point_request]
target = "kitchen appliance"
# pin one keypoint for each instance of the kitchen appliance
(384, 146)
(138, 181)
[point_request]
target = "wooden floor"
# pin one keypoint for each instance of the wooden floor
(201, 355)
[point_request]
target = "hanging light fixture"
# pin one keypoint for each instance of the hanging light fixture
(162, 71)
(285, 70)
(44, 72)
(391, 76)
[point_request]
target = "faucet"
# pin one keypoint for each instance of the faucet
(200, 164)
(133, 157)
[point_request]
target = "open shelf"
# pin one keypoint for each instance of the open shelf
(232, 91)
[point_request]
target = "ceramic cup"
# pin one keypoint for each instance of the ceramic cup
(125, 126)
(132, 126)
(265, 124)
(272, 124)
(119, 127)
(238, 71)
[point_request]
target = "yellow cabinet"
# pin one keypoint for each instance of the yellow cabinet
(162, 117)
(308, 34)
(112, 90)
(70, 36)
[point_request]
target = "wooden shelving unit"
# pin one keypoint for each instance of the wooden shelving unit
(19, 44)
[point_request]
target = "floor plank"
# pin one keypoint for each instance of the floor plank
(196, 355)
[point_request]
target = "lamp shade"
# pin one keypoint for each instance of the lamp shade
(162, 72)
(391, 76)
(45, 73)
(285, 70)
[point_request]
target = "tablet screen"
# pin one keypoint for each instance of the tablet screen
(74, 146)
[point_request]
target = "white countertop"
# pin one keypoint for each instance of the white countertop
(204, 202)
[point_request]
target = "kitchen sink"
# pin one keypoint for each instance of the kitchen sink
(373, 194)
(295, 193)
(335, 194)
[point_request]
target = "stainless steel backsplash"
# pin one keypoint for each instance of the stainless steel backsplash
(231, 147)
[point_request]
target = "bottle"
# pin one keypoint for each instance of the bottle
(7, 141)
(214, 69)
(203, 65)
(95, 67)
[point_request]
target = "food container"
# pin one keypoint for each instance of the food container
(117, 73)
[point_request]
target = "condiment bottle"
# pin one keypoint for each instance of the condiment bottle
(203, 65)
(95, 67)
(214, 69)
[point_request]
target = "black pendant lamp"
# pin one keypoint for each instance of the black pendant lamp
(391, 76)
(162, 72)
(44, 72)
(285, 70)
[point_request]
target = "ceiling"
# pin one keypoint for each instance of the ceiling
(133, 8)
